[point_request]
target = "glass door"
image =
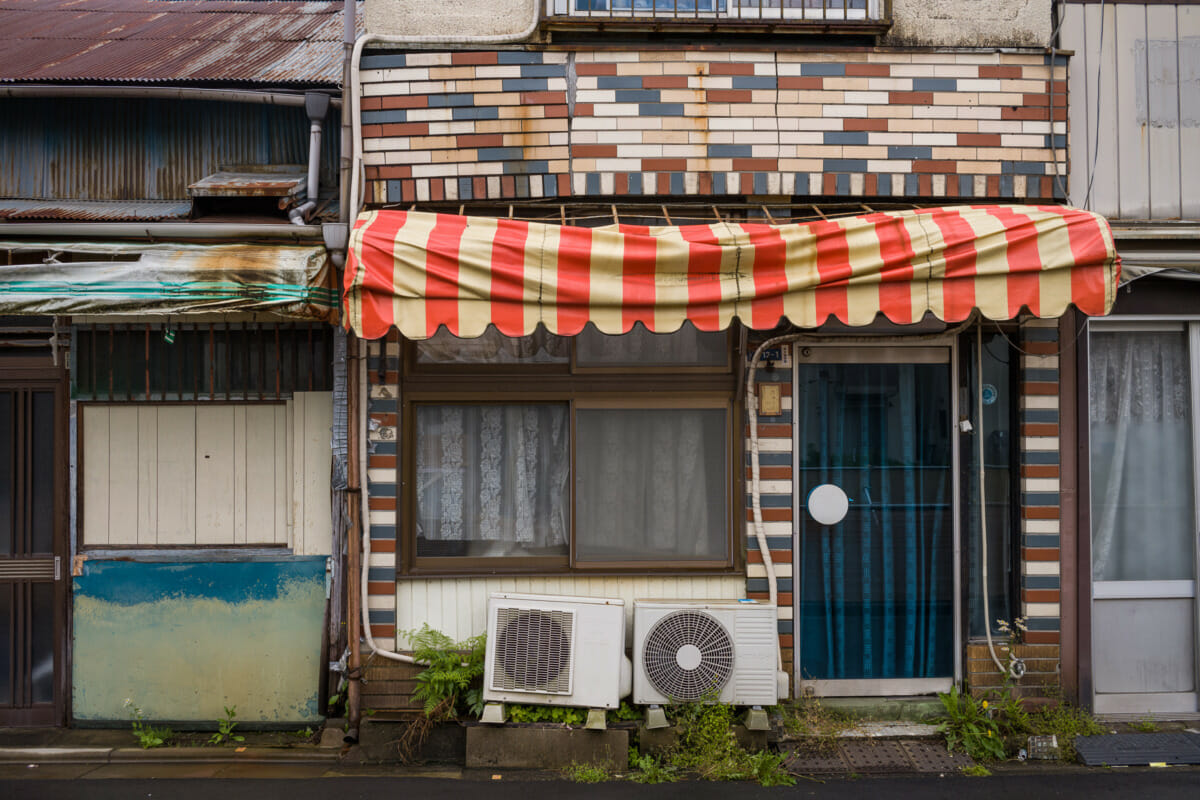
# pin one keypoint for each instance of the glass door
(875, 593)
(1142, 400)
(31, 598)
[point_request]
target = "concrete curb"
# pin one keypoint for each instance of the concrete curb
(165, 755)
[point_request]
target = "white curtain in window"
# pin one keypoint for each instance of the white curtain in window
(493, 473)
(651, 484)
(1141, 456)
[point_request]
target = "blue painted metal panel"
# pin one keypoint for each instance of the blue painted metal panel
(183, 640)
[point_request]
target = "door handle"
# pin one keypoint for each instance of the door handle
(58, 568)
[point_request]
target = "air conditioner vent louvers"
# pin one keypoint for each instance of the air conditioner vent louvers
(688, 655)
(533, 651)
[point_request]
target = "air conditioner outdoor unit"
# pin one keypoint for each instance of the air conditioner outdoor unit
(690, 650)
(557, 651)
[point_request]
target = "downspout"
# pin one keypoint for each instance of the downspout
(354, 204)
(316, 105)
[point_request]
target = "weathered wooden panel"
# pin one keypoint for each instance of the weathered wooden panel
(95, 473)
(214, 475)
(176, 475)
(458, 606)
(314, 419)
(122, 475)
(1163, 122)
(147, 474)
(1189, 109)
(1133, 141)
(263, 461)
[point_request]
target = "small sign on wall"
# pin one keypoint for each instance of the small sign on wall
(770, 403)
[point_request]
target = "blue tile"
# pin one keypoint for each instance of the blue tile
(1040, 582)
(801, 186)
(521, 166)
(846, 137)
(845, 165)
(1022, 168)
(518, 57)
(381, 574)
(465, 190)
(500, 153)
(478, 112)
(912, 185)
(660, 109)
(1039, 415)
(1040, 499)
(909, 151)
(754, 82)
(760, 183)
(449, 100)
(635, 183)
(841, 185)
(1040, 375)
(1040, 540)
(383, 532)
(543, 71)
(522, 185)
(1058, 140)
(382, 405)
(760, 584)
(771, 501)
(1040, 457)
(676, 183)
(718, 181)
(592, 185)
(382, 117)
(785, 626)
(638, 95)
(935, 84)
(619, 82)
(1042, 623)
(730, 151)
(772, 459)
(1006, 185)
(1032, 334)
(381, 616)
(526, 84)
(383, 448)
(382, 62)
(834, 70)
(966, 186)
(387, 489)
(550, 185)
(394, 190)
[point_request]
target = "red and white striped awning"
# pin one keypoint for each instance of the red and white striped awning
(417, 271)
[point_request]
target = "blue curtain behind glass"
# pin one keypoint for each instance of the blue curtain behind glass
(876, 590)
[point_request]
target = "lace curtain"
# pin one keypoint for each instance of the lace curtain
(1141, 456)
(493, 475)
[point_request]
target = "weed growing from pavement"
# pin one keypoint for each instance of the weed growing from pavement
(708, 748)
(146, 734)
(586, 773)
(225, 727)
(818, 728)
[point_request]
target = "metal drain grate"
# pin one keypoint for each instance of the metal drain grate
(1138, 749)
(934, 757)
(876, 756)
(803, 760)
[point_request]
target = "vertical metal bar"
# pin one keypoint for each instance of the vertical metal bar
(1194, 366)
(212, 361)
(956, 509)
(228, 360)
(147, 360)
(112, 344)
(278, 364)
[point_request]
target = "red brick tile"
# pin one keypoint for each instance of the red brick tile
(910, 98)
(1039, 554)
(665, 81)
(979, 140)
(922, 165)
(987, 71)
(468, 58)
(730, 68)
(595, 69)
(664, 164)
(729, 96)
(1039, 429)
(871, 70)
(543, 98)
(480, 140)
(1041, 388)
(405, 101)
(856, 124)
(771, 515)
(754, 165)
(1042, 637)
(801, 82)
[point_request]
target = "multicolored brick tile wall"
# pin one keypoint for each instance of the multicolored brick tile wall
(383, 361)
(511, 124)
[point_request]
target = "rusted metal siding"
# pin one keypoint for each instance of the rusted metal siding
(156, 41)
(102, 150)
(1135, 108)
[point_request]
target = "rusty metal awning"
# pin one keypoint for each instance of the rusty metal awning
(55, 277)
(286, 182)
(94, 210)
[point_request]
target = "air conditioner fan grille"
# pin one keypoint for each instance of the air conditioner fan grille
(533, 651)
(688, 655)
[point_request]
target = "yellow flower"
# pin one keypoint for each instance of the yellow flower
(985, 703)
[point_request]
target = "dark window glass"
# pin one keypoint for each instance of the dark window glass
(42, 643)
(7, 486)
(41, 473)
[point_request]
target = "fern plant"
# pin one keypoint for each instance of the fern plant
(451, 681)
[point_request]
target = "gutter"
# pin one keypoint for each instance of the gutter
(173, 231)
(161, 92)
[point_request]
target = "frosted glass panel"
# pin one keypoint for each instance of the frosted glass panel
(1140, 412)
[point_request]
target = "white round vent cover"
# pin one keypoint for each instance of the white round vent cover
(688, 655)
(828, 504)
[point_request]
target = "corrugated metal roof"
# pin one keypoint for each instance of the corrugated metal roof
(172, 40)
(82, 210)
(267, 182)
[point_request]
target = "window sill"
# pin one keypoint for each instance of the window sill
(440, 574)
(797, 28)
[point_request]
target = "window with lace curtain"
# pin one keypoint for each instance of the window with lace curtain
(547, 453)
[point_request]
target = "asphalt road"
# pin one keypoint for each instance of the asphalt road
(1160, 784)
